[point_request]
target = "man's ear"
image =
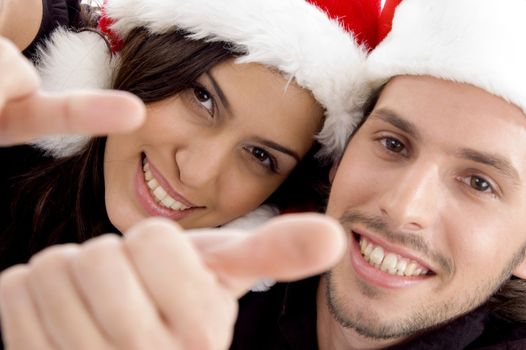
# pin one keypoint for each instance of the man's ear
(520, 269)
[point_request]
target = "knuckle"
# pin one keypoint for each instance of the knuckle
(53, 258)
(152, 234)
(11, 280)
(67, 111)
(97, 252)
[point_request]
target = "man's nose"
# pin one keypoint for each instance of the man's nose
(411, 201)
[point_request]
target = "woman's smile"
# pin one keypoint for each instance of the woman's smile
(157, 196)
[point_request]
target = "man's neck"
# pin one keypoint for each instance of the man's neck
(333, 336)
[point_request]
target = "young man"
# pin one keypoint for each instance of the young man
(431, 194)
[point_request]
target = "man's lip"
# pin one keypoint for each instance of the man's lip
(389, 247)
(166, 185)
(375, 277)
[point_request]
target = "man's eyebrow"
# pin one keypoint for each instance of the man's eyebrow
(493, 160)
(279, 148)
(391, 117)
(218, 90)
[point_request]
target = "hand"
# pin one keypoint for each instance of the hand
(156, 288)
(27, 113)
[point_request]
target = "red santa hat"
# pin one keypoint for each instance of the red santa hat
(477, 42)
(320, 44)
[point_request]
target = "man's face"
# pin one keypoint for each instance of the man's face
(432, 191)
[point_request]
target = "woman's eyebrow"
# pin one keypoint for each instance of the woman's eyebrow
(218, 90)
(279, 148)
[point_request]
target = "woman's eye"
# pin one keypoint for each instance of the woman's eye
(480, 184)
(262, 157)
(205, 99)
(392, 144)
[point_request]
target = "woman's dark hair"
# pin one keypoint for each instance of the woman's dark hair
(62, 200)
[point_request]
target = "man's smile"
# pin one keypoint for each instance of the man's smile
(389, 262)
(386, 266)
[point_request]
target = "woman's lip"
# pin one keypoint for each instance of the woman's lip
(167, 187)
(150, 204)
(391, 248)
(373, 276)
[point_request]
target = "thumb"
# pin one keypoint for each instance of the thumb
(289, 247)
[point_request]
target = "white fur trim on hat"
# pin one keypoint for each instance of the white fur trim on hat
(72, 61)
(478, 42)
(294, 36)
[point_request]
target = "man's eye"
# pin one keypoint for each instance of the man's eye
(205, 99)
(392, 144)
(480, 184)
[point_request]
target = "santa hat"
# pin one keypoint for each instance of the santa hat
(320, 44)
(477, 42)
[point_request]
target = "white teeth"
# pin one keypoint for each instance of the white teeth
(158, 192)
(168, 201)
(401, 266)
(410, 269)
(377, 256)
(153, 184)
(368, 251)
(389, 262)
(176, 206)
(147, 173)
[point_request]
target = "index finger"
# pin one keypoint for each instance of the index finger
(83, 112)
(287, 248)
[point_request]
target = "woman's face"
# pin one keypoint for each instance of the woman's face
(213, 152)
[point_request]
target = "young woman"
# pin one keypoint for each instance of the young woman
(235, 93)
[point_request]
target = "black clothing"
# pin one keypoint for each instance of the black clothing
(16, 161)
(282, 318)
(285, 318)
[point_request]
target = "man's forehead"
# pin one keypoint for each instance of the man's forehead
(444, 95)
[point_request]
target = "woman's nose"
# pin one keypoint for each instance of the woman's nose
(200, 165)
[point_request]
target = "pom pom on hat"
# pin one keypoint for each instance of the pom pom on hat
(307, 42)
